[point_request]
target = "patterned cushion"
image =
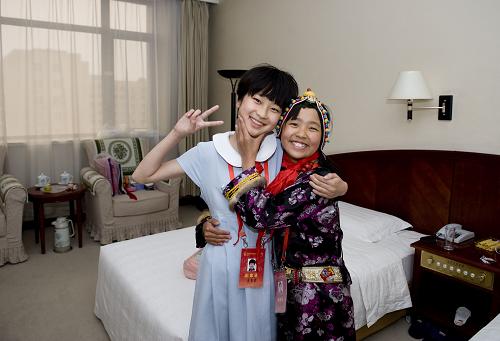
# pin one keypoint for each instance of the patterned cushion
(128, 151)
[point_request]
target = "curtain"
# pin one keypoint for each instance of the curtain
(193, 80)
(78, 69)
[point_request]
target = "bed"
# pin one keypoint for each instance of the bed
(142, 293)
(488, 332)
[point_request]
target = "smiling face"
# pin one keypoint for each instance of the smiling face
(259, 113)
(301, 136)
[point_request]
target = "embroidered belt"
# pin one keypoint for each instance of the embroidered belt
(315, 274)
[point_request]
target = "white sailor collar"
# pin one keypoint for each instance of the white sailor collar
(231, 156)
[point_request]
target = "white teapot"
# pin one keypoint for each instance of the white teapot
(63, 231)
(43, 180)
(65, 178)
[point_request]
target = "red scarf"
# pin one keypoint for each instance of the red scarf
(290, 170)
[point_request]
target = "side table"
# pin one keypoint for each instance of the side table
(445, 280)
(39, 198)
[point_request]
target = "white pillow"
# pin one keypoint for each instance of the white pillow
(368, 225)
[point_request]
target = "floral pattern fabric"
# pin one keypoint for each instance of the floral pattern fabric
(315, 311)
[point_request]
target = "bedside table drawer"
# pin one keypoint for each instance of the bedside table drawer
(458, 270)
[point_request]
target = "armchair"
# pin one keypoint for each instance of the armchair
(115, 218)
(12, 199)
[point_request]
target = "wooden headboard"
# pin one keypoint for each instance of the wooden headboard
(427, 188)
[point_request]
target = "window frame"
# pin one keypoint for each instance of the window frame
(108, 36)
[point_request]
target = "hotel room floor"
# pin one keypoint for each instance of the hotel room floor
(51, 296)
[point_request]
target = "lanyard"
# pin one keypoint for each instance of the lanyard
(277, 265)
(241, 231)
(285, 245)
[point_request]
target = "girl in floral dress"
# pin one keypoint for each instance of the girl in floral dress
(306, 228)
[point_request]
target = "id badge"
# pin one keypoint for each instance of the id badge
(279, 291)
(252, 267)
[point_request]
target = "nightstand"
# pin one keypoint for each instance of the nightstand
(445, 280)
(39, 198)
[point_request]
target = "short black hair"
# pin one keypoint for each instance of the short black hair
(277, 85)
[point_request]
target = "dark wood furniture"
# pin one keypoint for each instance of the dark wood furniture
(445, 280)
(428, 188)
(39, 198)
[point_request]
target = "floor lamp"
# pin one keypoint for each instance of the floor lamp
(233, 76)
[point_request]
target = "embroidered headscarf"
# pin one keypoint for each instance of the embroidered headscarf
(290, 169)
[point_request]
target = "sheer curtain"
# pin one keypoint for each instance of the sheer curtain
(193, 80)
(78, 69)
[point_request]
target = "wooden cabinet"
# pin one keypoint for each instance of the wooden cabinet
(445, 280)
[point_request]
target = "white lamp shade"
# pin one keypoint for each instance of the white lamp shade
(410, 85)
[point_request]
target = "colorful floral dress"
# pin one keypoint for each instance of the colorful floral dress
(315, 311)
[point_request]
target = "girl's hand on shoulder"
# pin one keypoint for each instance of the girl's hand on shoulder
(248, 146)
(194, 120)
(329, 186)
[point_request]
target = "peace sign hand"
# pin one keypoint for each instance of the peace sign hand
(194, 120)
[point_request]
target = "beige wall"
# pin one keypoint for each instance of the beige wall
(350, 53)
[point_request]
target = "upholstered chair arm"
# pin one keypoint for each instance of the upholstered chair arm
(93, 180)
(13, 196)
(100, 188)
(168, 185)
(11, 190)
(172, 188)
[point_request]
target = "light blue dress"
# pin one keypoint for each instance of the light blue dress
(221, 310)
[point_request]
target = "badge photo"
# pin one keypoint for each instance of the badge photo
(252, 268)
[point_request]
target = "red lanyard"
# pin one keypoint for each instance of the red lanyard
(241, 231)
(285, 245)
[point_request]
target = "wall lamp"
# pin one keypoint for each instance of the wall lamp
(233, 76)
(410, 86)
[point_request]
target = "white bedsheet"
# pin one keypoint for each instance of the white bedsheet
(488, 332)
(379, 278)
(399, 243)
(142, 293)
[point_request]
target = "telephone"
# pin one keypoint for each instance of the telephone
(461, 235)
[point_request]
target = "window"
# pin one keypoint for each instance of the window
(77, 67)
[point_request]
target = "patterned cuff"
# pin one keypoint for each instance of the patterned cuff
(199, 235)
(241, 184)
(204, 216)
